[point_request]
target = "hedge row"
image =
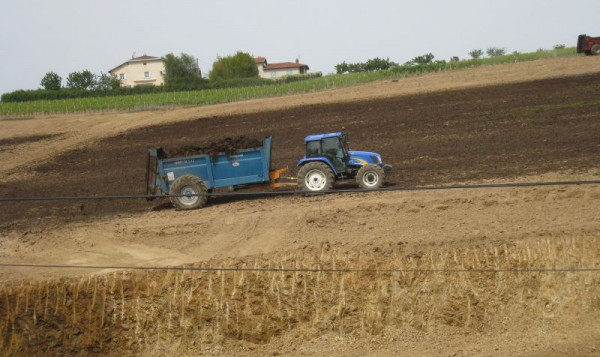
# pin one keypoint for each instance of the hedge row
(69, 93)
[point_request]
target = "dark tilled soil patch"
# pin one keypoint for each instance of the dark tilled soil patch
(25, 139)
(227, 146)
(443, 137)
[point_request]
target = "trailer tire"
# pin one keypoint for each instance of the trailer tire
(370, 177)
(595, 50)
(315, 176)
(191, 185)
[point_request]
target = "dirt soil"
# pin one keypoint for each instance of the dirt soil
(226, 145)
(83, 128)
(413, 221)
(465, 127)
(438, 138)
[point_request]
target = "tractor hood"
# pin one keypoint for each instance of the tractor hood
(360, 158)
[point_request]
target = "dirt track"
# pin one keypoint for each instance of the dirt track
(540, 130)
(410, 222)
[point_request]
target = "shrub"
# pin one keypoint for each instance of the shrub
(495, 51)
(240, 65)
(475, 54)
(374, 64)
(298, 77)
(424, 59)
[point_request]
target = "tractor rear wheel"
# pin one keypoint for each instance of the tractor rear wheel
(188, 185)
(370, 176)
(315, 176)
(595, 50)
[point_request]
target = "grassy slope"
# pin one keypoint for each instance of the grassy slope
(225, 95)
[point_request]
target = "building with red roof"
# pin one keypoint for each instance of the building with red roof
(278, 70)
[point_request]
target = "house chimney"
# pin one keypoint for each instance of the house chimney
(297, 60)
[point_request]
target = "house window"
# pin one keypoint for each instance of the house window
(273, 74)
(121, 76)
(288, 72)
(146, 74)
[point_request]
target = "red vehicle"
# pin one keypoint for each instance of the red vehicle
(588, 45)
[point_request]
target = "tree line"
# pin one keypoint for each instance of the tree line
(379, 64)
(181, 73)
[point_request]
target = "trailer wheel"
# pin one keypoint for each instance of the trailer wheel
(315, 176)
(370, 176)
(188, 185)
(595, 50)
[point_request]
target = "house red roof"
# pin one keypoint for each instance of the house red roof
(285, 65)
(282, 65)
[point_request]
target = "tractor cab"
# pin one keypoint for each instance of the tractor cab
(328, 159)
(333, 147)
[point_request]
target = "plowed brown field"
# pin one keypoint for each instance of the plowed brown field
(444, 137)
(546, 129)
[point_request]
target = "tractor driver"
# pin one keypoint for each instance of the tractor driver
(334, 152)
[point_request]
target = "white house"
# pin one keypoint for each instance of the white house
(139, 71)
(277, 70)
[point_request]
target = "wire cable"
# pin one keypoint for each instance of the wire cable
(298, 192)
(302, 270)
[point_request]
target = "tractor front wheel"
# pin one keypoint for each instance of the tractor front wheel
(188, 185)
(315, 176)
(370, 176)
(595, 50)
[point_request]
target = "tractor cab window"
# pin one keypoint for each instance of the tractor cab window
(313, 149)
(334, 151)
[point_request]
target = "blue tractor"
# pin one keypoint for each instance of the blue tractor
(328, 159)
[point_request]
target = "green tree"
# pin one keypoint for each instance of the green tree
(51, 81)
(81, 80)
(240, 65)
(476, 54)
(374, 64)
(182, 71)
(495, 51)
(107, 82)
(342, 68)
(379, 64)
(424, 59)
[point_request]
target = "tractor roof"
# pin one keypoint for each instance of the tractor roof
(318, 137)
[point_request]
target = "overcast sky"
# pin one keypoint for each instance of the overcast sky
(38, 36)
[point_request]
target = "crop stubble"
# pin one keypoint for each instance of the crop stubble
(185, 311)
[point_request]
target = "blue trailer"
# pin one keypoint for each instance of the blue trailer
(198, 175)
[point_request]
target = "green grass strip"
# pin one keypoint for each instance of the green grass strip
(214, 96)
